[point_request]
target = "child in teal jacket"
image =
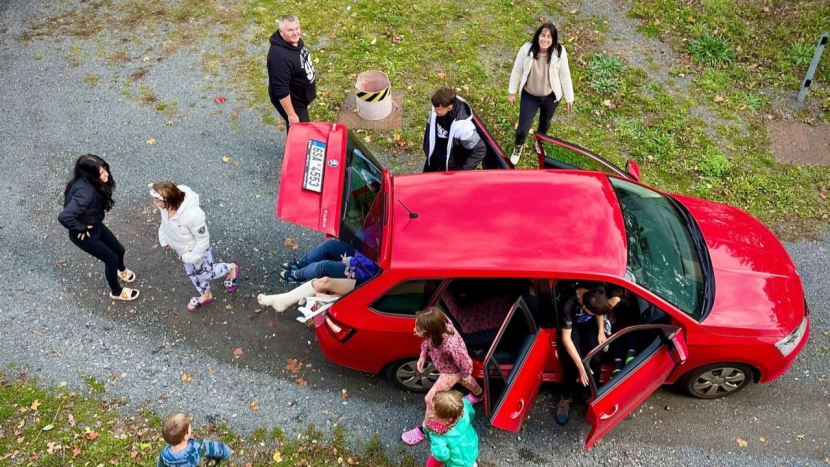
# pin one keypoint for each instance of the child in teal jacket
(453, 440)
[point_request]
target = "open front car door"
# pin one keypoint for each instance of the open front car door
(558, 154)
(659, 349)
(513, 368)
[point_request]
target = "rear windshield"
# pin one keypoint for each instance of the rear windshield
(362, 213)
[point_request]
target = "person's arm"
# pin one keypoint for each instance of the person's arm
(565, 80)
(516, 74)
(285, 102)
(422, 359)
(216, 450)
(160, 463)
(199, 230)
(601, 337)
(279, 74)
(439, 449)
(163, 240)
(469, 139)
(574, 354)
(71, 214)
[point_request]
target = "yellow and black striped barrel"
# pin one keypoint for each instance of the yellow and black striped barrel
(373, 96)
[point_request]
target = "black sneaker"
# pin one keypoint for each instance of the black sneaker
(288, 276)
(563, 410)
(290, 266)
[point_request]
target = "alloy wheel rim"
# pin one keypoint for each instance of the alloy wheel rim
(408, 375)
(719, 381)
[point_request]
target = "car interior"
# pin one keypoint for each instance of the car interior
(478, 307)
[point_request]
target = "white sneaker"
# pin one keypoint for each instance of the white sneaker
(537, 147)
(517, 153)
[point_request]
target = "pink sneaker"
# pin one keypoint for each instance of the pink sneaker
(473, 399)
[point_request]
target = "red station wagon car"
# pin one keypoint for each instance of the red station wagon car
(501, 251)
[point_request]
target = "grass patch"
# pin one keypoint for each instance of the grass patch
(57, 427)
(91, 79)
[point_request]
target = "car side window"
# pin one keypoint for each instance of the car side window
(407, 297)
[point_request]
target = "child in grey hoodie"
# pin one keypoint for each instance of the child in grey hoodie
(184, 451)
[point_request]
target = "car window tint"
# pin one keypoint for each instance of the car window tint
(407, 297)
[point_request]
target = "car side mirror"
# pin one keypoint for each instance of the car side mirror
(632, 169)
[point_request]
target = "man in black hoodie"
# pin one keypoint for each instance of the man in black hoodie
(291, 78)
(451, 141)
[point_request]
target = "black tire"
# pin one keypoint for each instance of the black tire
(403, 374)
(716, 380)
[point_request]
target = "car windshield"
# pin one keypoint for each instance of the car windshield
(362, 213)
(662, 256)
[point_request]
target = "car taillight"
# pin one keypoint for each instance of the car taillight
(338, 330)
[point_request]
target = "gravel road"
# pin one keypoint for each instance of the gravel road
(56, 322)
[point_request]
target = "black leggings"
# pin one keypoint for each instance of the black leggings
(528, 106)
(584, 336)
(104, 246)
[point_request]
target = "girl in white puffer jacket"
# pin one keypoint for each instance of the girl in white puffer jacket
(183, 228)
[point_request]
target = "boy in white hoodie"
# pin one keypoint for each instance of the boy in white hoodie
(183, 228)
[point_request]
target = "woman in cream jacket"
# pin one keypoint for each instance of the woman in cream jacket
(542, 76)
(183, 228)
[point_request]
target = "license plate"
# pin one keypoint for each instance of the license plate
(315, 159)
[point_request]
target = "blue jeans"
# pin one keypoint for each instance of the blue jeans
(325, 260)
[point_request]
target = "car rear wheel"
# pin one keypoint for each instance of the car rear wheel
(404, 374)
(717, 380)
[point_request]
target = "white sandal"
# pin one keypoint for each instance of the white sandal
(127, 295)
(126, 276)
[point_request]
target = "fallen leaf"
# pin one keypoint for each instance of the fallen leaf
(151, 141)
(258, 310)
(288, 242)
(254, 406)
(367, 138)
(237, 352)
(442, 75)
(396, 39)
(691, 19)
(21, 439)
(609, 104)
(248, 464)
(277, 456)
(294, 366)
(220, 100)
(36, 403)
(229, 307)
(52, 447)
(92, 435)
(169, 122)
(61, 264)
(71, 420)
(799, 437)
(351, 461)
(76, 452)
(145, 59)
(762, 439)
(374, 41)
(226, 159)
(573, 12)
(186, 378)
(718, 99)
(741, 442)
(49, 427)
(302, 383)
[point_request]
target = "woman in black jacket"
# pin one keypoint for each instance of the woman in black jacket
(86, 198)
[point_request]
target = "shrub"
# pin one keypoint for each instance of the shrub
(800, 54)
(714, 165)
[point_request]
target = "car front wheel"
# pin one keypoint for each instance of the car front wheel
(405, 375)
(717, 380)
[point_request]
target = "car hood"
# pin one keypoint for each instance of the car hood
(757, 289)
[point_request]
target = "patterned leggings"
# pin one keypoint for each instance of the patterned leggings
(205, 271)
(445, 382)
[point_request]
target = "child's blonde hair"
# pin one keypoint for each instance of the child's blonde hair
(448, 405)
(175, 428)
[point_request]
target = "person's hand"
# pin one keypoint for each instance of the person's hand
(512, 99)
(84, 235)
(344, 259)
(601, 338)
(569, 106)
(292, 119)
(421, 363)
(583, 375)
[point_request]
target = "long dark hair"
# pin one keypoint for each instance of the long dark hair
(433, 322)
(534, 44)
(88, 167)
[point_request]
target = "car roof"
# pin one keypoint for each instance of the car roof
(534, 221)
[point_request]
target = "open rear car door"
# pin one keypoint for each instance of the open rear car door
(661, 348)
(331, 183)
(558, 154)
(311, 182)
(525, 347)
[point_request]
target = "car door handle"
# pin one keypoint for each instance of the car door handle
(614, 411)
(519, 410)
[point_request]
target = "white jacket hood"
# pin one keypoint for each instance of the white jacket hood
(186, 231)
